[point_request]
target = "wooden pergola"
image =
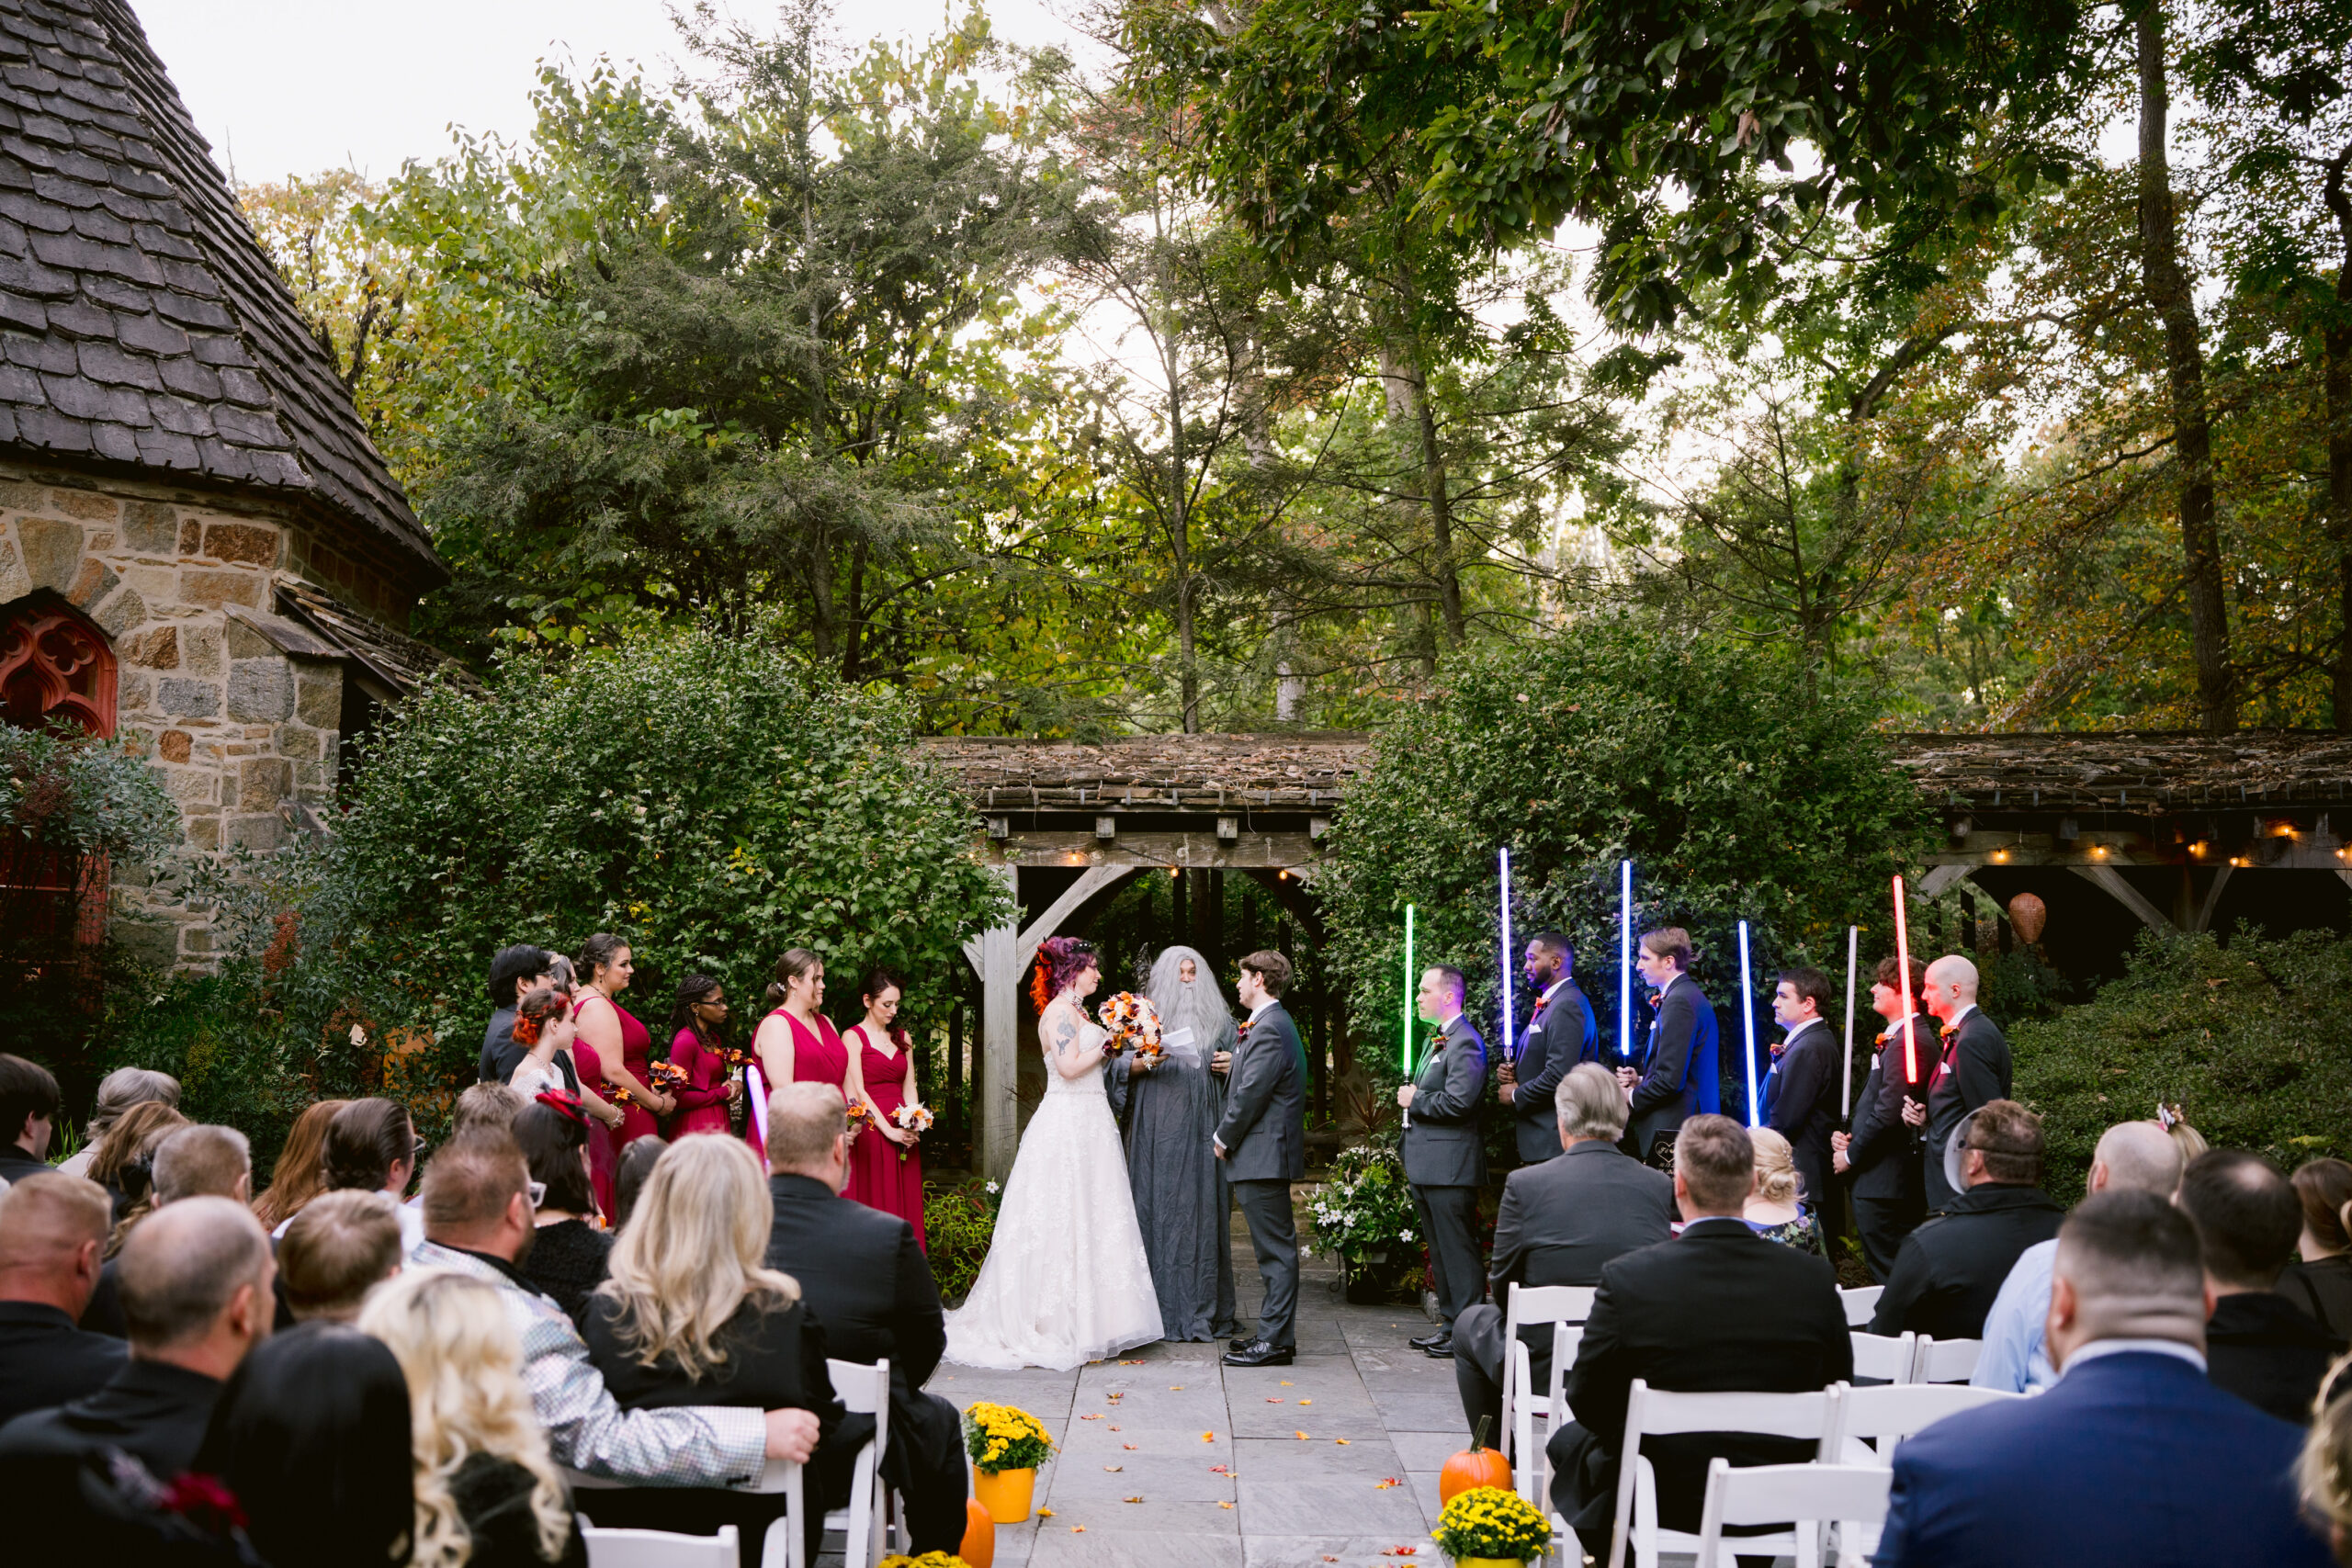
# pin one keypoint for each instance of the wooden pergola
(2157, 823)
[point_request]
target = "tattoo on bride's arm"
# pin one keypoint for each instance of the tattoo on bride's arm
(1065, 1034)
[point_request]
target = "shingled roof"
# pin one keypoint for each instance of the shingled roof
(142, 327)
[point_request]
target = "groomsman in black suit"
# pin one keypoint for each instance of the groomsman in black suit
(1971, 1071)
(1262, 1139)
(1561, 1032)
(1881, 1154)
(1445, 1157)
(1800, 1098)
(1676, 1081)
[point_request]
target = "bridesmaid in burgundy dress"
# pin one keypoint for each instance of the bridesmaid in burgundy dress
(796, 1043)
(617, 1040)
(885, 1171)
(697, 1026)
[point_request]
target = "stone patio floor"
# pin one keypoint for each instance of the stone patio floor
(1168, 1458)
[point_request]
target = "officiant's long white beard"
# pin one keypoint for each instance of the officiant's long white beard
(1199, 1006)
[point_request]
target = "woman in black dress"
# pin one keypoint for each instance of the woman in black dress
(691, 1314)
(487, 1493)
(568, 1255)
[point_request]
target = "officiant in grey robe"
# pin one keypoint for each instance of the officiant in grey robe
(1183, 1203)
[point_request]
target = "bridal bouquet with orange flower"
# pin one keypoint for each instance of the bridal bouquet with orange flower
(912, 1118)
(666, 1078)
(1134, 1024)
(860, 1118)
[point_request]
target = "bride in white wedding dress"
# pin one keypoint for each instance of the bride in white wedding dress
(1066, 1281)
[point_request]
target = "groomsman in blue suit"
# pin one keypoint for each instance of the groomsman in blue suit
(1677, 1079)
(1444, 1154)
(1561, 1034)
(2132, 1456)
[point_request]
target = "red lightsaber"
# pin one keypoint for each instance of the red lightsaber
(1903, 967)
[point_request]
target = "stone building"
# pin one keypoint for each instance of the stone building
(201, 554)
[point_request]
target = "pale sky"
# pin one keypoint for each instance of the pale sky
(294, 86)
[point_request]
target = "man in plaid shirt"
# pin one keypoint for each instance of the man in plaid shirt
(478, 1221)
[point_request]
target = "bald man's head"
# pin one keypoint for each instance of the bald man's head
(52, 1229)
(2136, 1157)
(805, 1124)
(1950, 985)
(185, 1267)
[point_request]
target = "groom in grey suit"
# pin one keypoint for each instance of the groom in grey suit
(1262, 1139)
(1445, 1155)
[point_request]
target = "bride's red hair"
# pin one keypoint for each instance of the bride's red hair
(1060, 960)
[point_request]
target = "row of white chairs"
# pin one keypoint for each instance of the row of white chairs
(864, 1390)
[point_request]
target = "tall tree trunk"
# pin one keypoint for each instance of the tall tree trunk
(2335, 378)
(2165, 281)
(1406, 378)
(854, 617)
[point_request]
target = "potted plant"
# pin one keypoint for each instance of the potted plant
(1489, 1527)
(1007, 1445)
(1364, 1215)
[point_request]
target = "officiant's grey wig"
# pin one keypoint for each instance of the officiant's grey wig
(1200, 1006)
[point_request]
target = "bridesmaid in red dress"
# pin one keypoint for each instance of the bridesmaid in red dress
(602, 1162)
(617, 1040)
(697, 1026)
(796, 1043)
(885, 1171)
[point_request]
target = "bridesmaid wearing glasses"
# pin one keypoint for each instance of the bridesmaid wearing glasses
(884, 1171)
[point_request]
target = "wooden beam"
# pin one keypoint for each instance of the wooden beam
(1941, 877)
(2110, 881)
(1069, 847)
(2204, 919)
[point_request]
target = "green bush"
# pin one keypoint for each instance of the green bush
(1738, 788)
(958, 1223)
(2248, 1039)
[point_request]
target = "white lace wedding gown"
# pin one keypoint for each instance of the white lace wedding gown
(1066, 1281)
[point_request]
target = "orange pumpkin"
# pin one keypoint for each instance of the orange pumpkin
(1472, 1468)
(979, 1535)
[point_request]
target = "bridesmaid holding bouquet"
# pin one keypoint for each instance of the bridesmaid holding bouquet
(697, 1048)
(885, 1171)
(796, 1043)
(619, 1043)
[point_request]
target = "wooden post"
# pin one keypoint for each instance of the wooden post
(956, 1069)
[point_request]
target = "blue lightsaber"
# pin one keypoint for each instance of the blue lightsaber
(1510, 1013)
(1747, 1022)
(1625, 960)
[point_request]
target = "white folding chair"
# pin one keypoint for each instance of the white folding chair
(1861, 1304)
(1527, 1305)
(865, 1390)
(1657, 1412)
(1946, 1361)
(1889, 1361)
(1851, 1496)
(780, 1547)
(1876, 1419)
(657, 1548)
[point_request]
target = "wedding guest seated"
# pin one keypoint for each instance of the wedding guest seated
(371, 1146)
(196, 1289)
(690, 1315)
(2131, 1156)
(118, 1093)
(862, 1275)
(201, 1161)
(629, 1180)
(2134, 1457)
(1718, 1308)
(124, 1162)
(341, 1247)
(2320, 1279)
(477, 1222)
(299, 1174)
(1561, 1220)
(486, 1105)
(2260, 1345)
(312, 1434)
(29, 1102)
(1774, 1211)
(51, 1228)
(568, 1257)
(1950, 1270)
(2326, 1469)
(487, 1493)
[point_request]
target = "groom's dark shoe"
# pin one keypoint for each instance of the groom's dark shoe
(1442, 1351)
(1243, 1343)
(1430, 1342)
(1261, 1354)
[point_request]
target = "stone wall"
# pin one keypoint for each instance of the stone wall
(238, 732)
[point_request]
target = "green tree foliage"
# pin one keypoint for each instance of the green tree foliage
(1736, 791)
(2243, 1038)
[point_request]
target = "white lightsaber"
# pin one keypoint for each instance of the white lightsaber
(1625, 962)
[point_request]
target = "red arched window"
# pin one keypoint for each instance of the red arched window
(54, 664)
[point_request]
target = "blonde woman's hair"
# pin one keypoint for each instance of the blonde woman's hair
(693, 1251)
(2324, 1471)
(1776, 1166)
(463, 1360)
